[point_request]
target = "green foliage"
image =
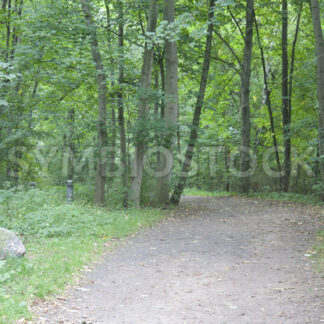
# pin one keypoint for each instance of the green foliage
(51, 230)
(203, 193)
(282, 196)
(318, 252)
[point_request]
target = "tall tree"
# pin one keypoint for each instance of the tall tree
(245, 97)
(287, 88)
(70, 139)
(285, 96)
(120, 101)
(175, 198)
(146, 78)
(112, 96)
(317, 26)
(102, 102)
(267, 92)
(171, 104)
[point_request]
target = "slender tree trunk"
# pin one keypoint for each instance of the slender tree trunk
(162, 75)
(146, 78)
(157, 113)
(8, 26)
(102, 102)
(268, 98)
(70, 137)
(171, 106)
(197, 113)
(112, 97)
(227, 154)
(5, 22)
(245, 98)
(292, 63)
(315, 10)
(12, 33)
(161, 72)
(120, 103)
(285, 97)
(156, 88)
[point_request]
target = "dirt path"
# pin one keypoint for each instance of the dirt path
(221, 260)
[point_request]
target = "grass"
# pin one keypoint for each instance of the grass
(319, 252)
(60, 240)
(279, 196)
(204, 193)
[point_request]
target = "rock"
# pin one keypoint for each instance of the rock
(10, 244)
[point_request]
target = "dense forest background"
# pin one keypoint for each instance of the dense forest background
(118, 95)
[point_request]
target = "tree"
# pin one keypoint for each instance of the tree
(245, 97)
(197, 113)
(145, 84)
(315, 11)
(120, 102)
(102, 109)
(267, 91)
(171, 105)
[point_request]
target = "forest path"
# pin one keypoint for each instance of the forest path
(219, 260)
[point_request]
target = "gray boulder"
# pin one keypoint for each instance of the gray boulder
(10, 244)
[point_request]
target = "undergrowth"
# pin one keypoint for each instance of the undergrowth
(280, 196)
(59, 238)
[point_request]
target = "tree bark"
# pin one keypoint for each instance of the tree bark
(175, 198)
(162, 75)
(146, 78)
(112, 97)
(315, 10)
(227, 154)
(171, 104)
(268, 97)
(285, 97)
(101, 167)
(120, 104)
(292, 63)
(70, 167)
(245, 98)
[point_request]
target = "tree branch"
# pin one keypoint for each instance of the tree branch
(231, 65)
(237, 23)
(229, 47)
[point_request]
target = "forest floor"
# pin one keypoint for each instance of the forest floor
(217, 260)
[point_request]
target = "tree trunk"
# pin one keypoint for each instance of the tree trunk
(315, 10)
(197, 113)
(102, 102)
(70, 167)
(112, 97)
(227, 154)
(268, 98)
(285, 97)
(171, 105)
(120, 104)
(162, 75)
(146, 78)
(245, 98)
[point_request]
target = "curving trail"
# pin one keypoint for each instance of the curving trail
(219, 260)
